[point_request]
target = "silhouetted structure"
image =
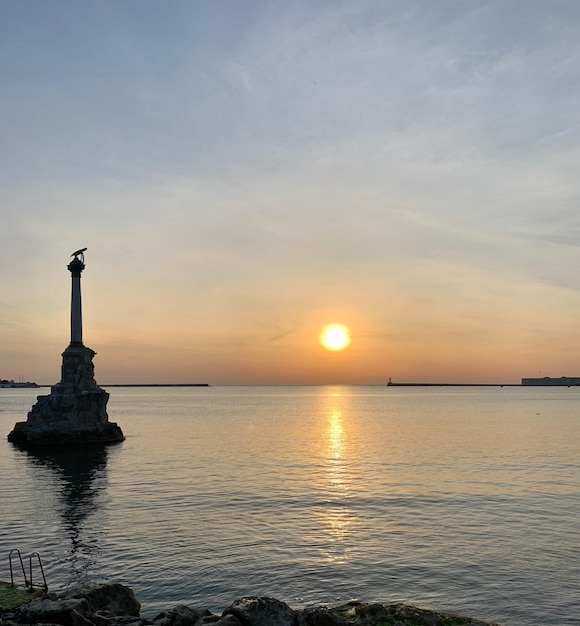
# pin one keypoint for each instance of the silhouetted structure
(75, 411)
(547, 381)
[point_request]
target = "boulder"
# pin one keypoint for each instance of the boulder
(224, 620)
(114, 598)
(50, 609)
(363, 614)
(319, 616)
(260, 611)
(104, 618)
(182, 615)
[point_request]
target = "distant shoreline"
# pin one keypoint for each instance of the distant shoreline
(527, 385)
(35, 386)
(158, 385)
(10, 384)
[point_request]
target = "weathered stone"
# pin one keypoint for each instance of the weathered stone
(224, 620)
(260, 611)
(64, 435)
(363, 613)
(107, 604)
(105, 618)
(319, 616)
(182, 615)
(75, 412)
(54, 610)
(423, 617)
(212, 619)
(400, 615)
(111, 597)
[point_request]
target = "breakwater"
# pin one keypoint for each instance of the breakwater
(392, 384)
(94, 604)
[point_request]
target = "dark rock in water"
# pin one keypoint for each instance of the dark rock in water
(256, 611)
(112, 597)
(50, 609)
(101, 619)
(182, 615)
(82, 605)
(225, 620)
(107, 604)
(363, 614)
(319, 616)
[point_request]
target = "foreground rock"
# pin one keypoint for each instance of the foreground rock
(108, 604)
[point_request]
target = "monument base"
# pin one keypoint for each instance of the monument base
(64, 434)
(75, 411)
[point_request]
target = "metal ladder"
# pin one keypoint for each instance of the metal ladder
(27, 581)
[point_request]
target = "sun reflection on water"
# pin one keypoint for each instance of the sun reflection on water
(335, 434)
(337, 518)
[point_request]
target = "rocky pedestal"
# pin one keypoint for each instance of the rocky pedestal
(75, 411)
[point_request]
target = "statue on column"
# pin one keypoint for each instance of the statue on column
(75, 411)
(79, 255)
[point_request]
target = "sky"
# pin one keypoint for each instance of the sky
(244, 172)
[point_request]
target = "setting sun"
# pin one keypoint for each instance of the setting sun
(335, 337)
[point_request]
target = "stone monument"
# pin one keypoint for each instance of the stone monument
(75, 412)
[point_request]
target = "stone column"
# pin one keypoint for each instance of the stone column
(76, 266)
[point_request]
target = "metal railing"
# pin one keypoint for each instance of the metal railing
(27, 581)
(35, 554)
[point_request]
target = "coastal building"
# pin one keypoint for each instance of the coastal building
(75, 411)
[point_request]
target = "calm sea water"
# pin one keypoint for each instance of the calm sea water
(459, 499)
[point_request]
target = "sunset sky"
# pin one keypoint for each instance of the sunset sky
(245, 172)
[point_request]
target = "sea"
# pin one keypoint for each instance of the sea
(460, 499)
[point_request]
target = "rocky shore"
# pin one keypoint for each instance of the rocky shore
(110, 604)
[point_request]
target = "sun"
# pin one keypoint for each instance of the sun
(335, 337)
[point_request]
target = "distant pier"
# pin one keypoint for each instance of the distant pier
(160, 385)
(392, 384)
(546, 381)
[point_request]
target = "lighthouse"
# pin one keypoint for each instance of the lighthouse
(75, 411)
